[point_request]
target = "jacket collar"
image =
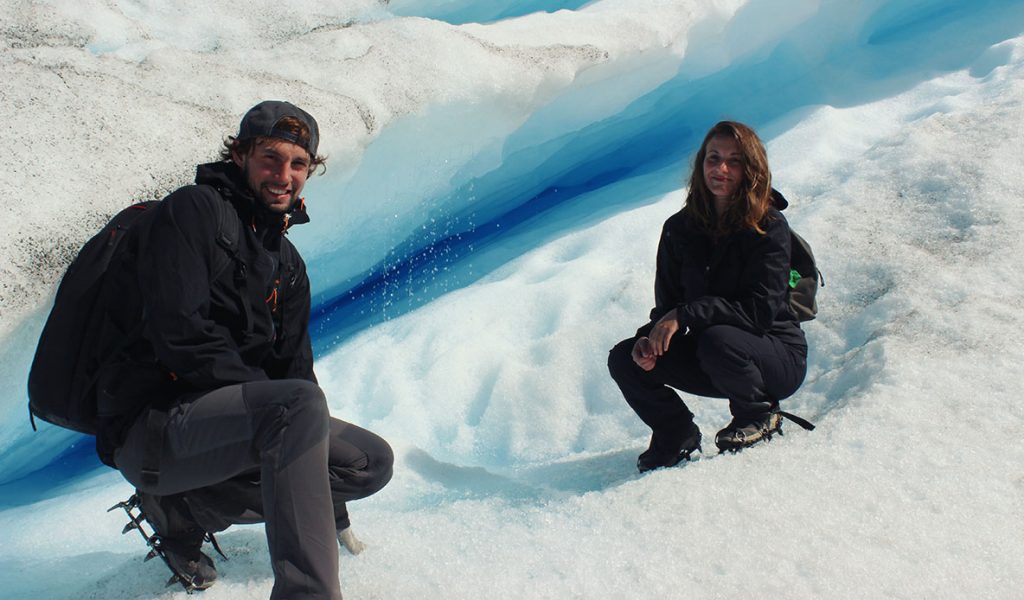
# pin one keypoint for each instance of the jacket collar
(778, 200)
(229, 180)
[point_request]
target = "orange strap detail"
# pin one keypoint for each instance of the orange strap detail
(272, 298)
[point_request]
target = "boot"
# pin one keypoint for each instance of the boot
(188, 562)
(180, 539)
(669, 454)
(745, 431)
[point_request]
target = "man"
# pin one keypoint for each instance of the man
(212, 409)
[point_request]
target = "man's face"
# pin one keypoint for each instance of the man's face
(276, 170)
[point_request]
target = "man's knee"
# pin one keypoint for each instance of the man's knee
(295, 405)
(375, 477)
(382, 462)
(292, 396)
(308, 396)
(307, 410)
(361, 462)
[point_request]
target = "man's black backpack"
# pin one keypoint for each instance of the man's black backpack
(61, 382)
(804, 279)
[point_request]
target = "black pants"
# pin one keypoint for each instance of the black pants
(266, 451)
(753, 371)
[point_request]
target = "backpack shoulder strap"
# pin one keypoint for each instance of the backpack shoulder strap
(227, 236)
(229, 229)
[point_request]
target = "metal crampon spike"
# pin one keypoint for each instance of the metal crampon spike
(153, 540)
(184, 580)
(213, 541)
(130, 503)
(127, 505)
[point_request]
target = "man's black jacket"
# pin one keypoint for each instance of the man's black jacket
(741, 279)
(202, 330)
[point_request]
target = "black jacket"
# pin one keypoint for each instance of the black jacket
(201, 330)
(741, 279)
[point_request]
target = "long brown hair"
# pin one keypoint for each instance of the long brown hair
(289, 124)
(753, 197)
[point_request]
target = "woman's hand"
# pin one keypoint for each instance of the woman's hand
(643, 354)
(664, 329)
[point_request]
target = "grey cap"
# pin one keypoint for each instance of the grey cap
(262, 120)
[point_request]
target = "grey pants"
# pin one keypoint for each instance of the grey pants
(265, 451)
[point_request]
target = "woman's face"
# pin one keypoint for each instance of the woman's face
(723, 166)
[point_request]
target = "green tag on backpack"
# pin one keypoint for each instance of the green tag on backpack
(794, 277)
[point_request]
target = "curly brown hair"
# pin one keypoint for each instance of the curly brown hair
(290, 124)
(753, 198)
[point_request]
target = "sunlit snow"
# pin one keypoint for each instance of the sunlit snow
(486, 231)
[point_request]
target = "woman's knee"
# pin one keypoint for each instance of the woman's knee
(620, 358)
(718, 343)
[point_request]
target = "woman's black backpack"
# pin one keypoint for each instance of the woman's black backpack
(804, 279)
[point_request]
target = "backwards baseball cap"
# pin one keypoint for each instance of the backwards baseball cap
(262, 121)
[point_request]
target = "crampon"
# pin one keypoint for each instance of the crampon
(137, 521)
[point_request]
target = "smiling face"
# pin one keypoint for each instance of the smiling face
(723, 167)
(276, 171)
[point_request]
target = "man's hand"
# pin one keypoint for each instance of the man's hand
(643, 354)
(664, 329)
(350, 542)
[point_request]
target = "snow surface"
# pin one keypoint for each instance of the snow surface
(486, 232)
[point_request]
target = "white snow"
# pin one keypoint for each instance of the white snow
(892, 127)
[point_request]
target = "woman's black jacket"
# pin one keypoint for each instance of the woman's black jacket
(741, 279)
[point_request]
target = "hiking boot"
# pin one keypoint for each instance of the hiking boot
(657, 455)
(190, 564)
(178, 537)
(746, 431)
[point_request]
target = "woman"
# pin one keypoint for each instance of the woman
(722, 326)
